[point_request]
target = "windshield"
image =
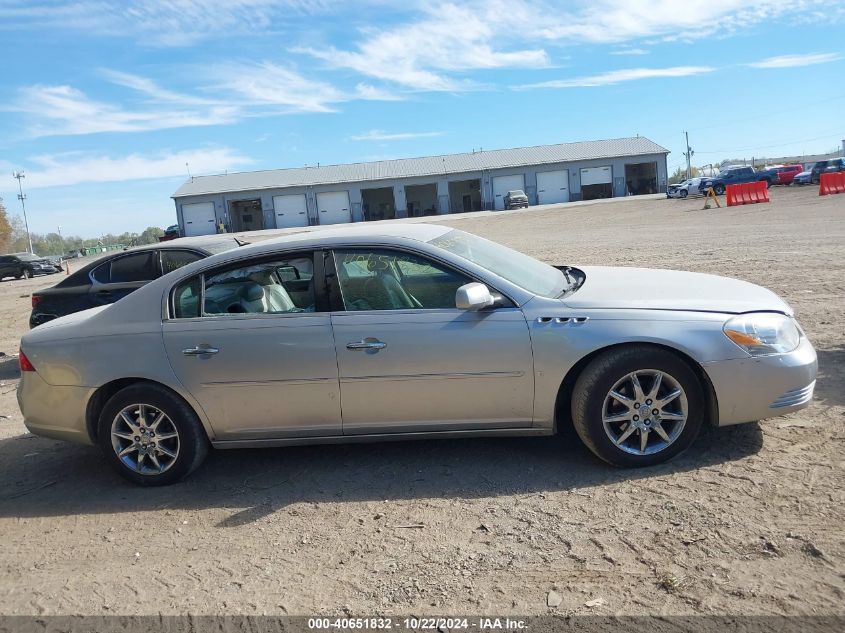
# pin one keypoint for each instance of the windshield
(524, 271)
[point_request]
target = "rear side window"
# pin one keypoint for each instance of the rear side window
(131, 268)
(173, 260)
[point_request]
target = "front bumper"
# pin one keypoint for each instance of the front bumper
(751, 389)
(54, 411)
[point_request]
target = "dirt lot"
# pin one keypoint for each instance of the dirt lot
(749, 521)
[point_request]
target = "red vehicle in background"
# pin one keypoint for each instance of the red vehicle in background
(784, 175)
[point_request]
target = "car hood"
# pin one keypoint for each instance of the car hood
(651, 289)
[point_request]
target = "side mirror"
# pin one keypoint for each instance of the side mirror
(473, 296)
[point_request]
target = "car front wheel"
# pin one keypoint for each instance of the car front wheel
(684, 193)
(637, 406)
(27, 273)
(719, 189)
(151, 436)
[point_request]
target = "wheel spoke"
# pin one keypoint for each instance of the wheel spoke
(643, 439)
(166, 436)
(127, 450)
(655, 387)
(619, 417)
(141, 415)
(623, 399)
(625, 435)
(673, 417)
(658, 428)
(155, 461)
(140, 460)
(157, 421)
(124, 436)
(132, 424)
(670, 397)
(165, 451)
(639, 396)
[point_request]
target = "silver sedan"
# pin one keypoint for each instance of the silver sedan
(414, 331)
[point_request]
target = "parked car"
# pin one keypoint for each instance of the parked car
(171, 233)
(409, 331)
(26, 265)
(691, 187)
(826, 167)
(74, 253)
(516, 199)
(803, 178)
(119, 273)
(784, 175)
(734, 176)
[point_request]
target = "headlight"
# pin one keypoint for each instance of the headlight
(763, 333)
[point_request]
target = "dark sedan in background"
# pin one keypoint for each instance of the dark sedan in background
(26, 265)
(116, 275)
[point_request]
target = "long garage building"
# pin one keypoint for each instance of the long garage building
(409, 187)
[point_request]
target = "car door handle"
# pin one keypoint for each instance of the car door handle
(366, 345)
(104, 292)
(199, 351)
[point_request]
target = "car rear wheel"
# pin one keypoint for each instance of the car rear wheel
(719, 189)
(151, 436)
(27, 273)
(637, 406)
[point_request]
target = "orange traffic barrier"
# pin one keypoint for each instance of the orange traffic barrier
(747, 193)
(832, 183)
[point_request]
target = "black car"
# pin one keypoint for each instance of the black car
(826, 167)
(116, 275)
(26, 265)
(516, 199)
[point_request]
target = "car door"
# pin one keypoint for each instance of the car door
(410, 361)
(118, 277)
(256, 350)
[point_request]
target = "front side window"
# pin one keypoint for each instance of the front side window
(127, 269)
(392, 280)
(267, 287)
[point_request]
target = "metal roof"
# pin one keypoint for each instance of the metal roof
(415, 167)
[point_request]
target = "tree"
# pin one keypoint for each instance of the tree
(5, 230)
(150, 235)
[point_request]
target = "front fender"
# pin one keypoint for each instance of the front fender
(560, 341)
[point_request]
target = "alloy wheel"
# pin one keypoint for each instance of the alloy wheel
(645, 412)
(145, 439)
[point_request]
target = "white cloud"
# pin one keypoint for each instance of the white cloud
(64, 110)
(793, 61)
(619, 76)
(73, 168)
(175, 23)
(285, 90)
(381, 135)
(448, 38)
(629, 51)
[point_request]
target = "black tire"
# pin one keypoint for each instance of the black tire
(193, 442)
(683, 193)
(600, 376)
(719, 190)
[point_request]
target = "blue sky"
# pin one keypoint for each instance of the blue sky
(103, 101)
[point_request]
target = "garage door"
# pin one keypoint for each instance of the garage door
(596, 176)
(552, 186)
(290, 211)
(333, 207)
(199, 218)
(503, 184)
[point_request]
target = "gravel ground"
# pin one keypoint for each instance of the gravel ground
(748, 521)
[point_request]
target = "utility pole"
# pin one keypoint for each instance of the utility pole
(689, 154)
(22, 197)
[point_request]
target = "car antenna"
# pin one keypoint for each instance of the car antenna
(240, 242)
